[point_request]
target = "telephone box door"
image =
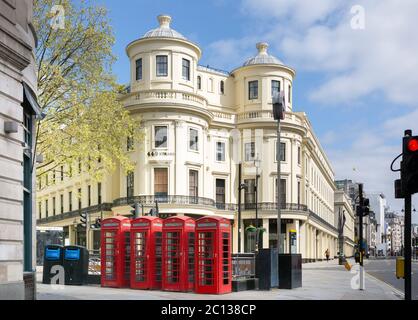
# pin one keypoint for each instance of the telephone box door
(140, 260)
(115, 252)
(109, 244)
(206, 263)
(172, 259)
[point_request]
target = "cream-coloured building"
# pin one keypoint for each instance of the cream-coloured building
(344, 209)
(199, 124)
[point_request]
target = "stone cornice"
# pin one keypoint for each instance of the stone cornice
(11, 49)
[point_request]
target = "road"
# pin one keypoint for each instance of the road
(385, 269)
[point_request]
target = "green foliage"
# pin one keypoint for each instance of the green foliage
(78, 93)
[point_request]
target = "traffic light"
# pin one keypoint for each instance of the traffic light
(83, 219)
(279, 105)
(97, 224)
(366, 207)
(409, 165)
(363, 209)
(135, 211)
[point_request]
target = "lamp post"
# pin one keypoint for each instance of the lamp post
(257, 165)
(241, 186)
(278, 113)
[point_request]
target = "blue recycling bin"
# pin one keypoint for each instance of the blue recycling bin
(76, 265)
(53, 255)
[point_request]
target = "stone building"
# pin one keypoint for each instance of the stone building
(200, 123)
(18, 111)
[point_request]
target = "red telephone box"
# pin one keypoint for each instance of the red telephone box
(213, 255)
(178, 254)
(146, 252)
(115, 252)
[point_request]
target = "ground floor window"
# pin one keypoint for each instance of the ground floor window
(161, 183)
(220, 193)
(273, 234)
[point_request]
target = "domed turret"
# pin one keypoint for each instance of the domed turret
(262, 57)
(164, 30)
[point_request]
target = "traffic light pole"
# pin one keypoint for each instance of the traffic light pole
(407, 246)
(360, 217)
(239, 207)
(279, 207)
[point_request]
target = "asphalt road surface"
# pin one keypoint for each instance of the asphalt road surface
(385, 270)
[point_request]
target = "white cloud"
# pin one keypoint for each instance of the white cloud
(381, 60)
(316, 35)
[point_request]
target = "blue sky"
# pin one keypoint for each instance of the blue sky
(356, 85)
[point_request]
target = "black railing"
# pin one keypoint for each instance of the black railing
(150, 200)
(75, 213)
(243, 265)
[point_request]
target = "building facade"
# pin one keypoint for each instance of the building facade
(200, 123)
(394, 233)
(378, 206)
(345, 220)
(18, 112)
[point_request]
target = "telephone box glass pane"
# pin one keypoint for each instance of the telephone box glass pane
(225, 257)
(110, 261)
(158, 256)
(140, 256)
(127, 255)
(206, 258)
(173, 257)
(190, 257)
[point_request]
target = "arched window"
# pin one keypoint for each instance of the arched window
(222, 87)
(199, 82)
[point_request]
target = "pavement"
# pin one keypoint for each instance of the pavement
(385, 270)
(320, 281)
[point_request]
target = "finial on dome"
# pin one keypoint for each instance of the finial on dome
(262, 47)
(164, 20)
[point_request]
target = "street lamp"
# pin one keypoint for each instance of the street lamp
(278, 113)
(257, 163)
(241, 186)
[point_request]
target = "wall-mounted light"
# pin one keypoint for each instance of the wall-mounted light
(10, 127)
(39, 158)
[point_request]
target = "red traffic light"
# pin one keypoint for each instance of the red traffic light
(413, 145)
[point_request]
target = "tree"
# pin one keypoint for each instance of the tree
(84, 120)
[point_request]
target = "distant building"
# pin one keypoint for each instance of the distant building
(189, 159)
(378, 205)
(394, 232)
(345, 222)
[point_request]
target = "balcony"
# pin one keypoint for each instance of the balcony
(149, 200)
(75, 213)
(166, 97)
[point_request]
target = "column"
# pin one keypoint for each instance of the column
(180, 150)
(302, 241)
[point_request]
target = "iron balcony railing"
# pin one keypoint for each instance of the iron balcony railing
(76, 213)
(150, 200)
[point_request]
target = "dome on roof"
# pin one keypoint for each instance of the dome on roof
(164, 30)
(262, 57)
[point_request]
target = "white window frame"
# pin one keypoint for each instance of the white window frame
(216, 151)
(189, 129)
(275, 151)
(153, 136)
(245, 151)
